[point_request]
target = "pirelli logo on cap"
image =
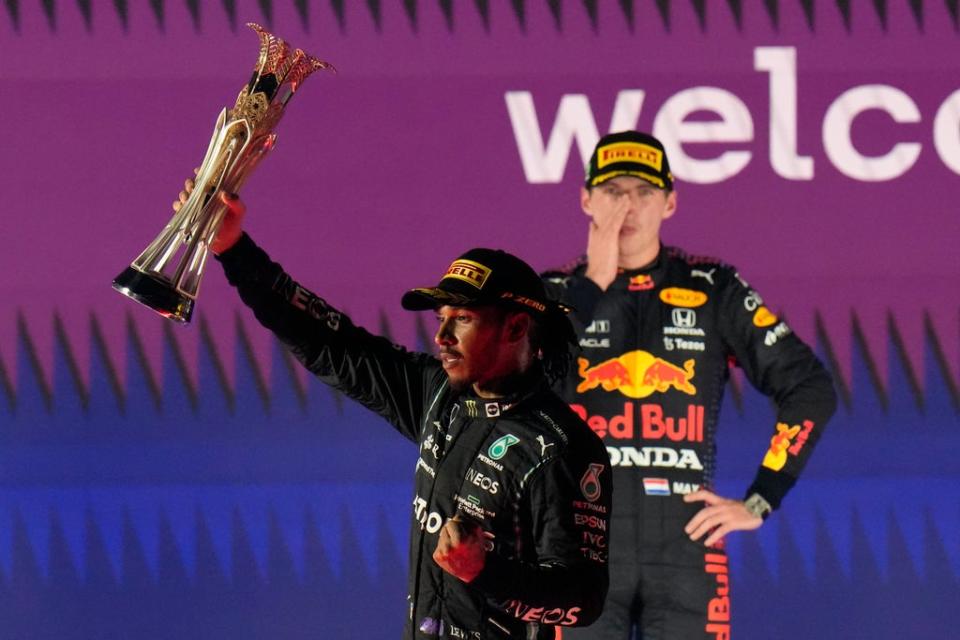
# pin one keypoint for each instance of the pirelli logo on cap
(468, 271)
(629, 152)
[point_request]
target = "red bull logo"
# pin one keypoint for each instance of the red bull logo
(787, 439)
(640, 282)
(654, 424)
(718, 609)
(797, 446)
(776, 456)
(636, 374)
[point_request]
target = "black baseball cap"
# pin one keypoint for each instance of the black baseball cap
(485, 276)
(629, 153)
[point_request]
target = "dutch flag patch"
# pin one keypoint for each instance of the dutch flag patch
(656, 486)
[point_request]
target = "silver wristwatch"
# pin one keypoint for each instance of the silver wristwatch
(757, 505)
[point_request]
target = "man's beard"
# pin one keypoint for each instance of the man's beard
(458, 385)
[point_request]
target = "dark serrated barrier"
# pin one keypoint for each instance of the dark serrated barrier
(164, 508)
(584, 9)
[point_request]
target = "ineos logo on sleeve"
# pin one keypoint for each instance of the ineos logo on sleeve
(529, 613)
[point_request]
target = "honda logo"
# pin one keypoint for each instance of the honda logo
(686, 318)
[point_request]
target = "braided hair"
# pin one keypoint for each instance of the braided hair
(554, 340)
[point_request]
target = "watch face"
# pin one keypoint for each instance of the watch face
(758, 506)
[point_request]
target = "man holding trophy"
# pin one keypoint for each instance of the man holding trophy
(512, 504)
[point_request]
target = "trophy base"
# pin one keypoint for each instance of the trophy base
(153, 292)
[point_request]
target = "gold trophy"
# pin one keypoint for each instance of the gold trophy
(166, 276)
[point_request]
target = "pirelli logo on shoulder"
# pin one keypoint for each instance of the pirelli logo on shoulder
(468, 271)
(629, 152)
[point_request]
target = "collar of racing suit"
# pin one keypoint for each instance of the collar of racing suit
(639, 279)
(473, 406)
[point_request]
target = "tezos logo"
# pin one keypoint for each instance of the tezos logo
(499, 448)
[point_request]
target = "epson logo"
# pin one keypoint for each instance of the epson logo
(591, 521)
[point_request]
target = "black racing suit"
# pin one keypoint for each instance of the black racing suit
(656, 347)
(526, 468)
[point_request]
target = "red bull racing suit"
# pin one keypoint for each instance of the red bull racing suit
(656, 347)
(526, 468)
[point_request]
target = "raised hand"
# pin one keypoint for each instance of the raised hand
(231, 228)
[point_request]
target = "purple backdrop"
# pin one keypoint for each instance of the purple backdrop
(408, 155)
